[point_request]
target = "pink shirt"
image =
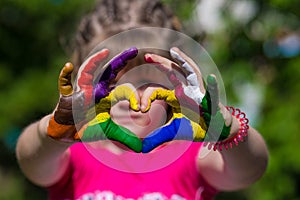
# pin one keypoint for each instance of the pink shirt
(169, 173)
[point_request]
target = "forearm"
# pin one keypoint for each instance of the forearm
(237, 167)
(245, 163)
(42, 159)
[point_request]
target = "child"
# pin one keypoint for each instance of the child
(109, 170)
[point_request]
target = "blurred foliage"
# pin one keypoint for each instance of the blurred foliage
(183, 9)
(243, 56)
(35, 43)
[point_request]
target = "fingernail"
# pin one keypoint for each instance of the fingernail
(143, 107)
(129, 53)
(148, 58)
(211, 79)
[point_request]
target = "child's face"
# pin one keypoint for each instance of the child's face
(143, 78)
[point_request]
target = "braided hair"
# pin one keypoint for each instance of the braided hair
(114, 16)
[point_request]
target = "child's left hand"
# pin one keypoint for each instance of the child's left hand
(204, 103)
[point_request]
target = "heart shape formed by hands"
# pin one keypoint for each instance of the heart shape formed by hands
(179, 127)
(102, 126)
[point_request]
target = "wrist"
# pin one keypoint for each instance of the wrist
(42, 131)
(42, 126)
(238, 130)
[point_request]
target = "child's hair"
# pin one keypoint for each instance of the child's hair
(114, 16)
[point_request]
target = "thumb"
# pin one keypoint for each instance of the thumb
(64, 82)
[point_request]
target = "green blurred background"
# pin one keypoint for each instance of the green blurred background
(254, 43)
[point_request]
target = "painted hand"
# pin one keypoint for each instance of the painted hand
(199, 102)
(207, 100)
(102, 126)
(62, 125)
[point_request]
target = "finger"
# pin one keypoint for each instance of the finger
(64, 81)
(189, 94)
(125, 136)
(121, 92)
(86, 75)
(115, 65)
(177, 54)
(121, 60)
(166, 66)
(151, 94)
(210, 102)
(159, 136)
(179, 128)
(212, 87)
(190, 66)
(103, 127)
(146, 98)
(125, 92)
(192, 76)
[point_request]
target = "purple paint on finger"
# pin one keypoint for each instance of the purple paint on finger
(101, 90)
(121, 60)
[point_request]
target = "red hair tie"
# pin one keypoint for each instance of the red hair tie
(237, 138)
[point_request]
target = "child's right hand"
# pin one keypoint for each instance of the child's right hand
(62, 124)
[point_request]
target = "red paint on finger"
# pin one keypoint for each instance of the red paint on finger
(87, 74)
(148, 58)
